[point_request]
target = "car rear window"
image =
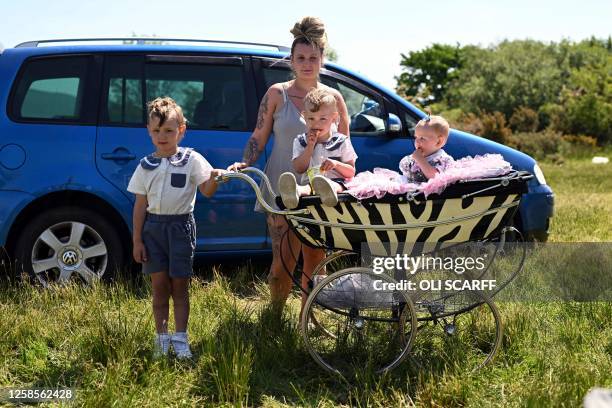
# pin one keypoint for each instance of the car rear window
(51, 90)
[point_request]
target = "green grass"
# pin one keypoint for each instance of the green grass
(99, 339)
(583, 199)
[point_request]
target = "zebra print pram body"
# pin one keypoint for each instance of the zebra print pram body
(468, 211)
(347, 322)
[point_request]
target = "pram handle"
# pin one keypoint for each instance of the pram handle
(240, 174)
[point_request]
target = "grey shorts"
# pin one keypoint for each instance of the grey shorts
(170, 243)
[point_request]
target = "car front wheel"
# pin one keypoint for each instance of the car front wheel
(65, 244)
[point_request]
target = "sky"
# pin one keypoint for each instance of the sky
(368, 36)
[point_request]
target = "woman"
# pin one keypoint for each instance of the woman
(280, 112)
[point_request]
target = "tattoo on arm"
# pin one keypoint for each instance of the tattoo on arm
(263, 110)
(251, 152)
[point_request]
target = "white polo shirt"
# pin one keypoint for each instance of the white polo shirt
(170, 183)
(337, 147)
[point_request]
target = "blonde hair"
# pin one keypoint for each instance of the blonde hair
(309, 31)
(318, 97)
(162, 108)
(436, 123)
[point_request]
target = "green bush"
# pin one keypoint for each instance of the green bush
(524, 119)
(580, 146)
(550, 115)
(488, 125)
(453, 116)
(564, 86)
(495, 128)
(539, 145)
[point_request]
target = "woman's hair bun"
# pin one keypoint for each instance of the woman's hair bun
(309, 30)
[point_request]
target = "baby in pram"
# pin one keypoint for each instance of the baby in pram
(428, 158)
(429, 169)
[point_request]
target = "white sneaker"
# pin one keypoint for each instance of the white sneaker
(161, 345)
(181, 345)
(325, 189)
(287, 187)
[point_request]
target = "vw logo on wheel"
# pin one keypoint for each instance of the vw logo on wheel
(70, 258)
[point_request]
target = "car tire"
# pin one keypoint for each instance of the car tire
(69, 243)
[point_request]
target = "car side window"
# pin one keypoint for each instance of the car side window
(123, 87)
(275, 75)
(212, 96)
(410, 123)
(365, 111)
(51, 90)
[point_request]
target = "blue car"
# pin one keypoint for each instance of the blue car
(72, 130)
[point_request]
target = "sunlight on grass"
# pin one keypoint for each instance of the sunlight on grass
(99, 339)
(583, 200)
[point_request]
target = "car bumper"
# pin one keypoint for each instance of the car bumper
(536, 210)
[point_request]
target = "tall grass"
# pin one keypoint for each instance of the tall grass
(99, 339)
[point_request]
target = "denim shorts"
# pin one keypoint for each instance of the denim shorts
(170, 243)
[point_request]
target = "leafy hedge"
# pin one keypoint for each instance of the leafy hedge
(516, 86)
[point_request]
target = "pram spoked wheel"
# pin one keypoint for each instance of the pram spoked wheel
(336, 261)
(361, 323)
(333, 262)
(462, 329)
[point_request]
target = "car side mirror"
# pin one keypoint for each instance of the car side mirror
(394, 125)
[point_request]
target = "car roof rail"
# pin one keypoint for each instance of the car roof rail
(144, 40)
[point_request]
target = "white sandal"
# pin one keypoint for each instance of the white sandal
(325, 189)
(287, 187)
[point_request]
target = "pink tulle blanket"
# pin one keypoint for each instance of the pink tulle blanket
(381, 181)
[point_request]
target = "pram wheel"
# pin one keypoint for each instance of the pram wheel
(462, 330)
(333, 262)
(354, 321)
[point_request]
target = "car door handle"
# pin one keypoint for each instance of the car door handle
(118, 156)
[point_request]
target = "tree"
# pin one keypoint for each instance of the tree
(587, 97)
(525, 84)
(427, 72)
(506, 77)
(331, 54)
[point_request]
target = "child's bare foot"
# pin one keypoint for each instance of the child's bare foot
(325, 188)
(287, 187)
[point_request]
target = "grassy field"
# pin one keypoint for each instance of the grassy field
(583, 202)
(98, 339)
